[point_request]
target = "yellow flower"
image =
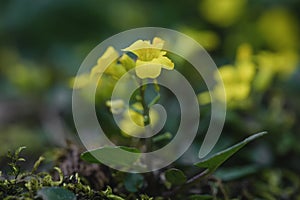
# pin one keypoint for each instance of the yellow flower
(151, 58)
(204, 98)
(105, 60)
(222, 13)
(133, 122)
(237, 81)
(208, 39)
(236, 78)
(280, 29)
(281, 64)
(116, 106)
(109, 60)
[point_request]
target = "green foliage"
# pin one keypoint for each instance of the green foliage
(41, 185)
(112, 155)
(175, 176)
(40, 52)
(200, 197)
(174, 179)
(133, 182)
(109, 194)
(212, 163)
(58, 193)
(14, 159)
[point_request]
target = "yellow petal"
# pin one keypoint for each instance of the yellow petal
(108, 54)
(136, 46)
(139, 44)
(133, 122)
(246, 71)
(146, 51)
(204, 98)
(220, 92)
(164, 62)
(116, 106)
(228, 73)
(162, 53)
(241, 91)
(108, 58)
(158, 43)
(147, 69)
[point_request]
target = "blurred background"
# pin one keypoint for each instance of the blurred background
(255, 44)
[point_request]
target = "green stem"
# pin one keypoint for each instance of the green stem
(192, 181)
(136, 110)
(146, 117)
(145, 106)
(155, 100)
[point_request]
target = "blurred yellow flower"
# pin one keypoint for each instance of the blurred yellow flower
(151, 58)
(280, 29)
(251, 70)
(132, 120)
(109, 60)
(208, 39)
(281, 64)
(222, 13)
(116, 106)
(105, 60)
(236, 78)
(237, 81)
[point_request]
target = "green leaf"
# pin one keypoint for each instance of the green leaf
(37, 164)
(117, 156)
(114, 197)
(133, 182)
(218, 159)
(164, 136)
(108, 193)
(55, 193)
(175, 176)
(18, 151)
(200, 197)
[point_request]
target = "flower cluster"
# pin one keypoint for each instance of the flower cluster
(250, 72)
(236, 78)
(149, 63)
(110, 67)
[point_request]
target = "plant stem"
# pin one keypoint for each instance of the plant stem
(146, 117)
(193, 180)
(220, 185)
(145, 106)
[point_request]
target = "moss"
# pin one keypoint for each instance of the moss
(25, 185)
